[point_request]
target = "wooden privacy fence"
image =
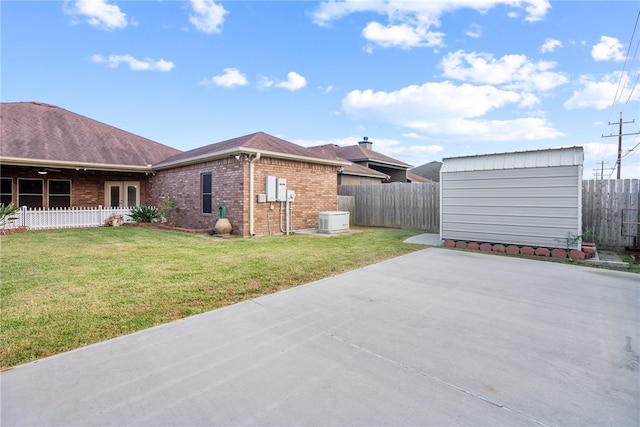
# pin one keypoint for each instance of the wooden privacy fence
(409, 206)
(610, 208)
(610, 214)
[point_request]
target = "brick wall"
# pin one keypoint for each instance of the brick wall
(183, 184)
(315, 187)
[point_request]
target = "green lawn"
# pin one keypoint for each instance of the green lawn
(65, 289)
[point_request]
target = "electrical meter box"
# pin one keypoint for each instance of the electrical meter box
(291, 196)
(281, 190)
(271, 189)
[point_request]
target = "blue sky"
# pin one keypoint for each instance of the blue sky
(423, 80)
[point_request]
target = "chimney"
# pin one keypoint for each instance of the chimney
(365, 143)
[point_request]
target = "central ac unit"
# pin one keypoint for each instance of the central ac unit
(333, 222)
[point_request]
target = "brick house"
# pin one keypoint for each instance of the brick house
(51, 157)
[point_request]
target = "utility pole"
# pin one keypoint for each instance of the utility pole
(620, 135)
(602, 163)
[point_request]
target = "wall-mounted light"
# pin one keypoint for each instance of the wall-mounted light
(42, 172)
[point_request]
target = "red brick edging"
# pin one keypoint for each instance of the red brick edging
(558, 253)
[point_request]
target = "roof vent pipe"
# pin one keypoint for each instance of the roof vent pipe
(365, 143)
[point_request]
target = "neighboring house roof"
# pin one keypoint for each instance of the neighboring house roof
(357, 153)
(412, 177)
(328, 151)
(429, 170)
(359, 170)
(40, 134)
(255, 143)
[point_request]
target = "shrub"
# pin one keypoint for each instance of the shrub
(167, 210)
(144, 214)
(8, 213)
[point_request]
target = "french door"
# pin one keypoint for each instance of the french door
(123, 194)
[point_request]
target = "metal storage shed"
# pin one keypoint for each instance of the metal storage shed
(528, 198)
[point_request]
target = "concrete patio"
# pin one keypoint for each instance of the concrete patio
(437, 337)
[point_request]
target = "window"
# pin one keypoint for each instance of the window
(6, 191)
(30, 192)
(59, 193)
(206, 185)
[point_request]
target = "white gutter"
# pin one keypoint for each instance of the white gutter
(241, 150)
(251, 194)
(20, 161)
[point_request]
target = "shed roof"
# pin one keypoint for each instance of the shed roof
(564, 156)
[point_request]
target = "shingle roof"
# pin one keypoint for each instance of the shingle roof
(252, 143)
(37, 131)
(328, 151)
(417, 178)
(429, 170)
(357, 153)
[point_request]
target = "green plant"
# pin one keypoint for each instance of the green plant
(571, 240)
(144, 214)
(167, 210)
(53, 301)
(8, 213)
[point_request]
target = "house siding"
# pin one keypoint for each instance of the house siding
(535, 206)
(315, 187)
(352, 180)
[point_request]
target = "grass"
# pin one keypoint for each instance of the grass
(633, 267)
(66, 289)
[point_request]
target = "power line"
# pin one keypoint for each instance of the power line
(620, 135)
(624, 66)
(619, 91)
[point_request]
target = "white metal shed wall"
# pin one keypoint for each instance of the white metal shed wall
(529, 198)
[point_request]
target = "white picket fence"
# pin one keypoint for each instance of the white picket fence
(54, 218)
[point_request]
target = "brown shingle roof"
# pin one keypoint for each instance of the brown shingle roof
(417, 178)
(429, 170)
(357, 153)
(36, 131)
(329, 151)
(252, 143)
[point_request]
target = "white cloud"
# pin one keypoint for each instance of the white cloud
(550, 45)
(474, 31)
(145, 64)
(294, 82)
(208, 16)
(409, 23)
(518, 129)
(511, 71)
(99, 13)
(231, 77)
(446, 110)
(265, 83)
(609, 49)
(404, 35)
(426, 149)
(600, 94)
(433, 100)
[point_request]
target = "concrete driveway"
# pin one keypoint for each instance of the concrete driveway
(437, 337)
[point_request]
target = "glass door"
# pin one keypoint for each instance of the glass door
(121, 194)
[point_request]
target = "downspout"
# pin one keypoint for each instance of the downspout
(251, 193)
